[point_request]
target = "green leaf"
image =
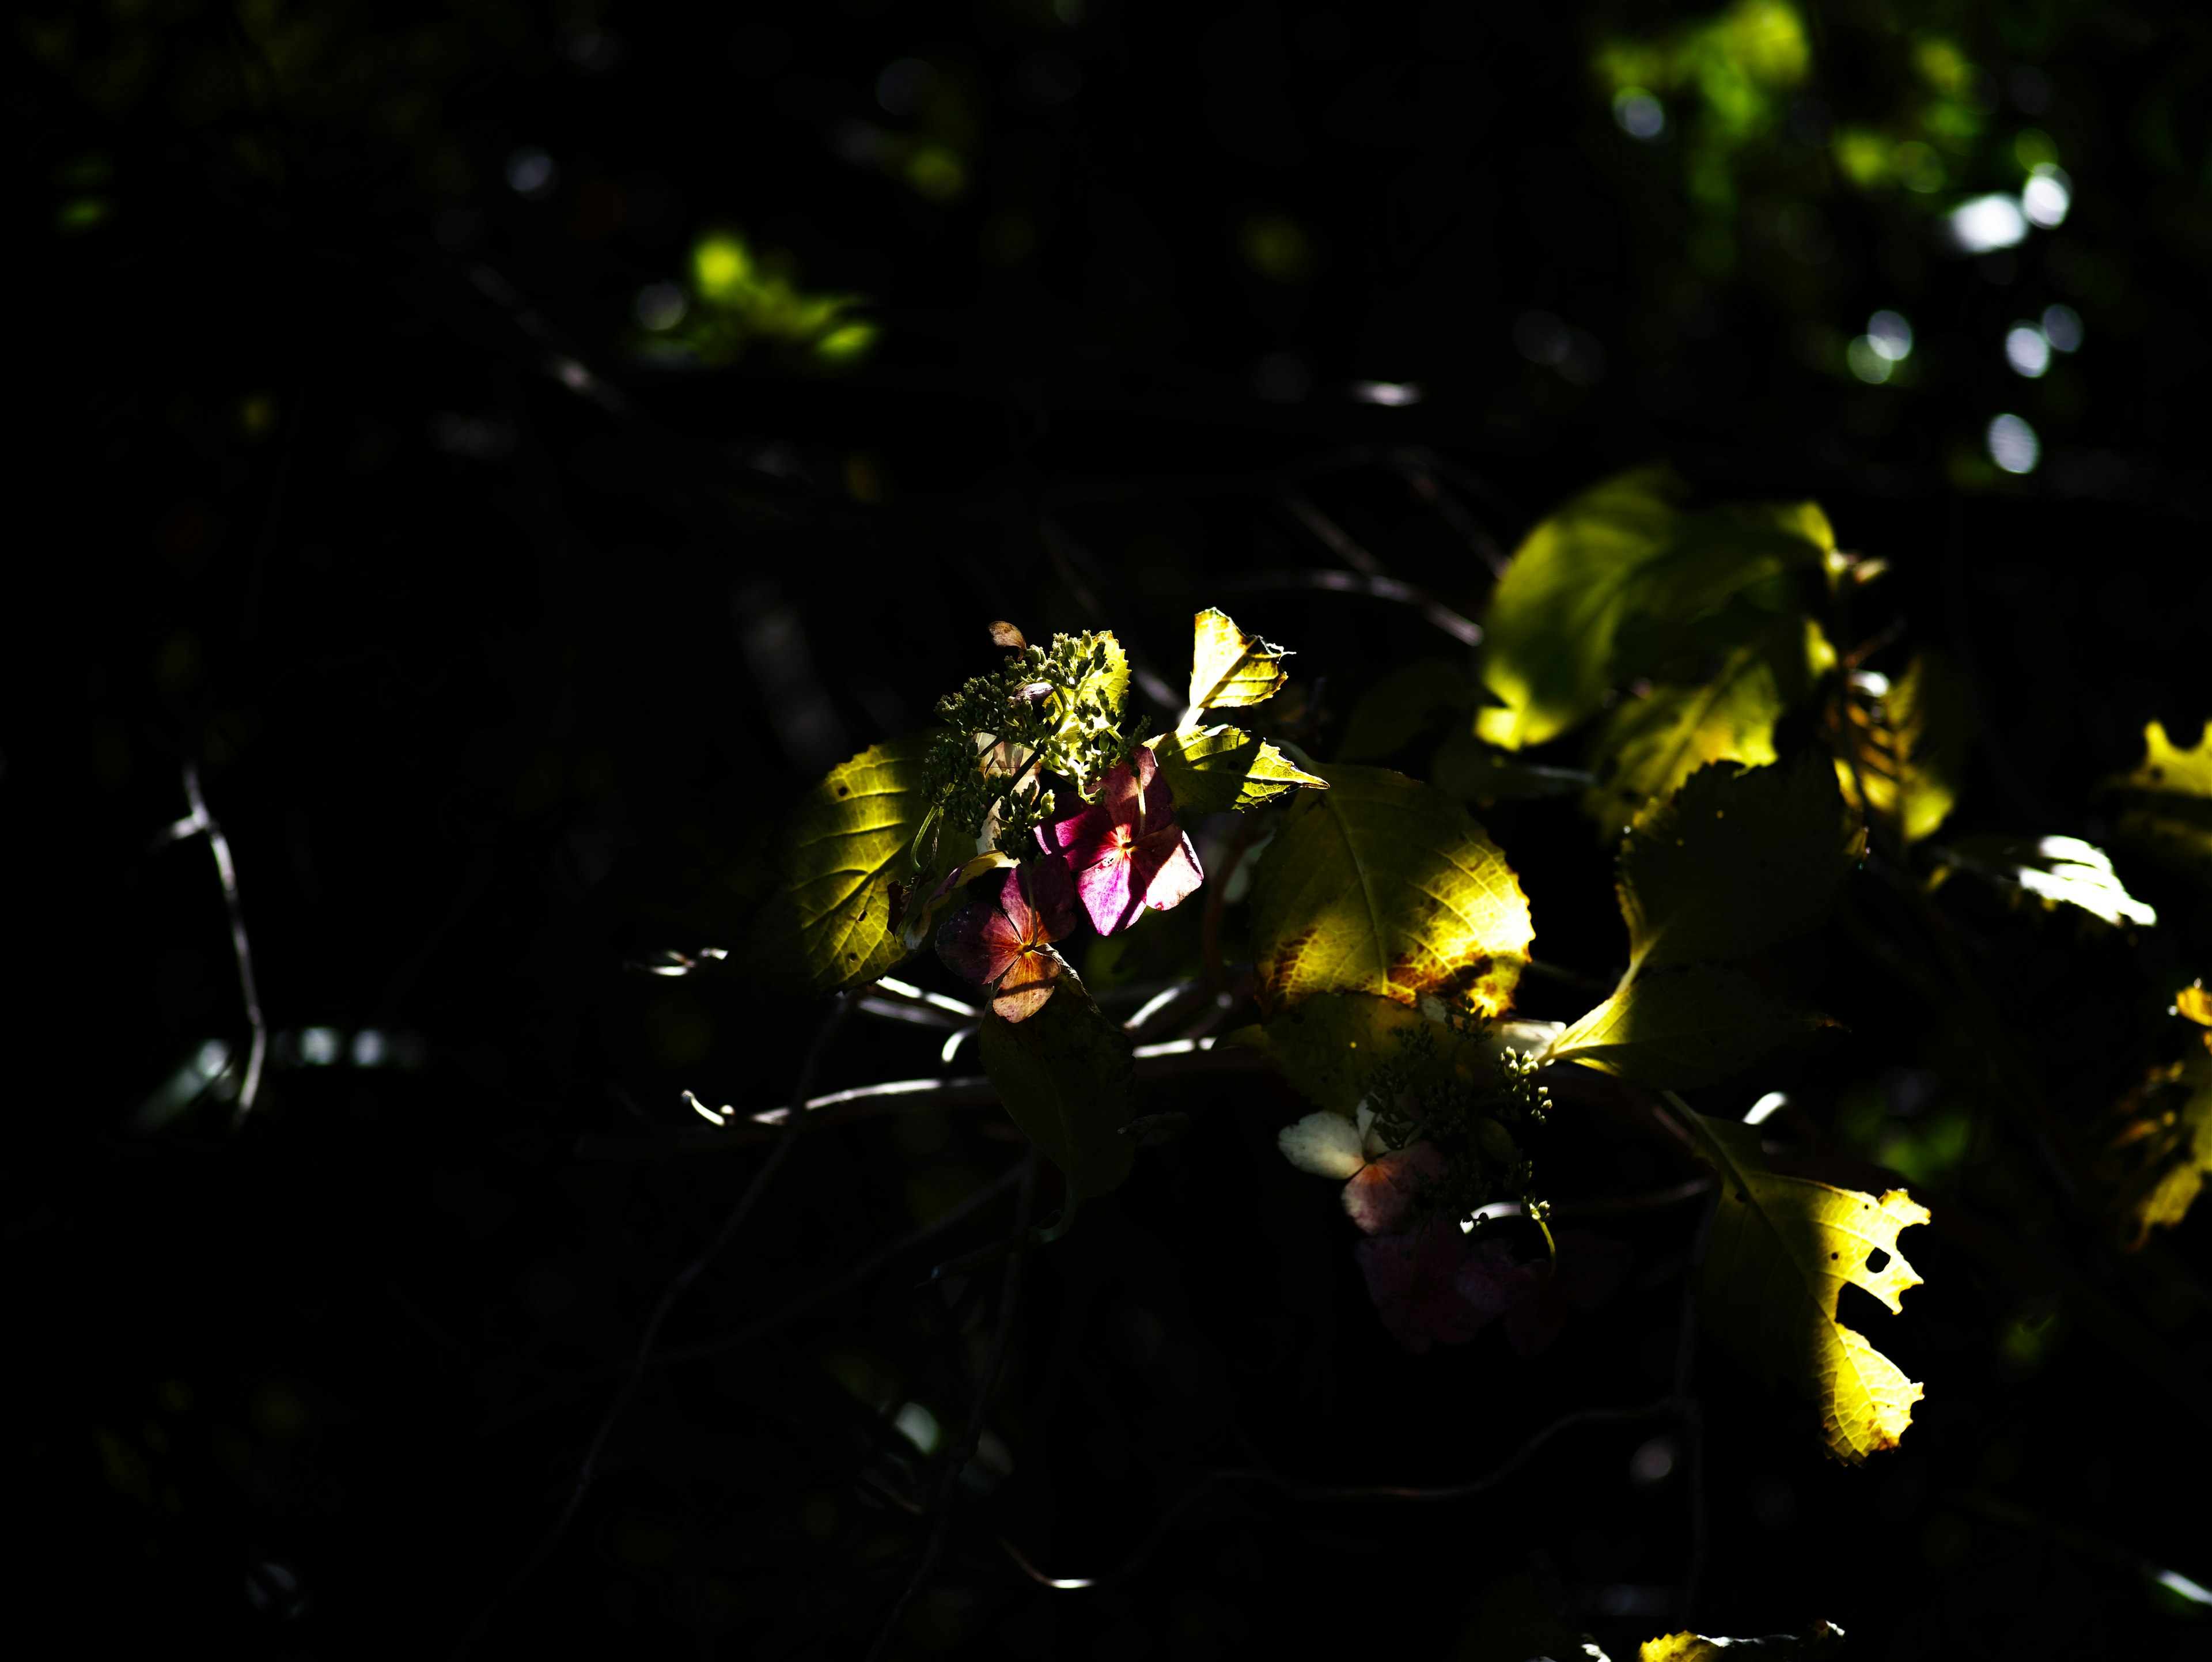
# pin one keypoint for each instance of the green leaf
(1623, 551)
(1777, 1254)
(1384, 886)
(2048, 871)
(1686, 1028)
(1219, 770)
(1066, 1075)
(1467, 769)
(1650, 745)
(1735, 862)
(2165, 804)
(1401, 705)
(1230, 669)
(1822, 1640)
(1512, 1624)
(1329, 1044)
(828, 925)
(1909, 746)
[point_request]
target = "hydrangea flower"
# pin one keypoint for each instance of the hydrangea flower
(1125, 850)
(1533, 1303)
(1413, 1280)
(1006, 943)
(1380, 1184)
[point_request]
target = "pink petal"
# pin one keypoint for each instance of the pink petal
(1165, 871)
(1380, 1196)
(1410, 1279)
(1491, 1282)
(978, 943)
(1052, 892)
(1020, 1006)
(1104, 888)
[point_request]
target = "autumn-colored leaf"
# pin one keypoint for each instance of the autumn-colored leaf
(1777, 1255)
(1382, 884)
(2158, 1146)
(1684, 1028)
(828, 926)
(1907, 746)
(1066, 1077)
(2165, 804)
(1221, 769)
(1230, 669)
(1736, 860)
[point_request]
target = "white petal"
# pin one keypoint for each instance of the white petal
(1327, 1145)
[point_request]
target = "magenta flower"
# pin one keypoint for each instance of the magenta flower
(1534, 1302)
(1125, 850)
(1006, 943)
(1411, 1278)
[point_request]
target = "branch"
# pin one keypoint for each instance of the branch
(948, 1487)
(1465, 631)
(200, 822)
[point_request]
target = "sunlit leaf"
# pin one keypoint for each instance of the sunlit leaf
(1401, 705)
(828, 926)
(1625, 550)
(2049, 872)
(1468, 770)
(1384, 886)
(2165, 804)
(1735, 862)
(1230, 669)
(1824, 1640)
(1219, 770)
(1649, 746)
(1327, 1043)
(1777, 1255)
(1066, 1077)
(1908, 746)
(1684, 1028)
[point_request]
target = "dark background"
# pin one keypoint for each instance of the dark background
(499, 681)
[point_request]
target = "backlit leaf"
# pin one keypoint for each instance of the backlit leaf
(1736, 860)
(1650, 745)
(2048, 871)
(1624, 551)
(1066, 1077)
(828, 926)
(2158, 1152)
(1328, 1044)
(1777, 1255)
(1401, 705)
(2165, 804)
(1219, 770)
(1686, 1028)
(1908, 746)
(1824, 1640)
(1230, 669)
(1384, 886)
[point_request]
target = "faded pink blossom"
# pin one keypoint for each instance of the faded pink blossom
(1533, 1297)
(1125, 850)
(1381, 1193)
(1006, 943)
(1410, 1277)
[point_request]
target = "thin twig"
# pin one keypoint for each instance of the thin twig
(948, 1488)
(1298, 1491)
(778, 1157)
(1646, 1202)
(201, 822)
(1463, 630)
(1414, 466)
(1333, 537)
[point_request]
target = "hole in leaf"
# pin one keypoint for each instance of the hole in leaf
(1877, 1261)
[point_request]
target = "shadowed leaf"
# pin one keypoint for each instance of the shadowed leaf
(1065, 1075)
(1822, 1640)
(828, 926)
(1512, 1625)
(2165, 804)
(1623, 551)
(1402, 704)
(1328, 1044)
(1650, 745)
(1909, 746)
(1230, 669)
(1382, 884)
(1220, 770)
(1467, 769)
(1736, 860)
(2158, 1149)
(1683, 1029)
(1777, 1255)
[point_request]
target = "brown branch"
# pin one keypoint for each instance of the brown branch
(1461, 628)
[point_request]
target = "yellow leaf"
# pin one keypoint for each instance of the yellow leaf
(2159, 1150)
(1230, 669)
(1220, 770)
(1384, 886)
(1908, 746)
(828, 926)
(2166, 802)
(1777, 1255)
(2194, 1002)
(1823, 1641)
